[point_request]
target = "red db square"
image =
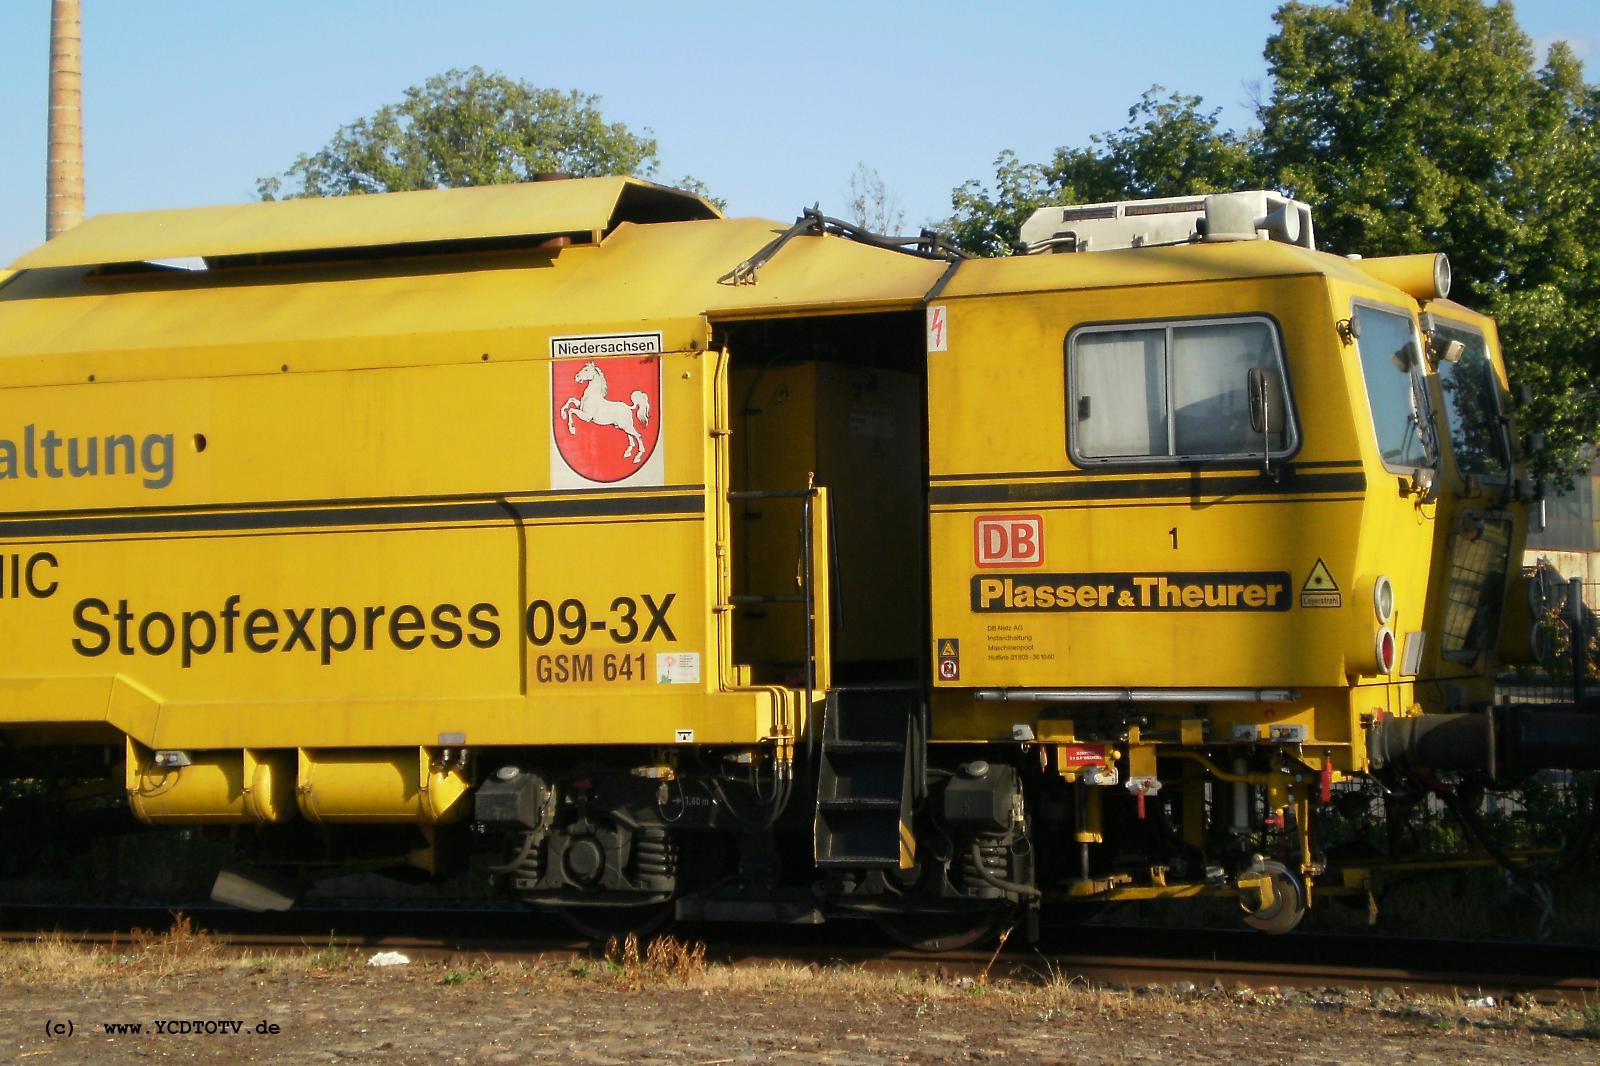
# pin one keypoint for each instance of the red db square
(1008, 540)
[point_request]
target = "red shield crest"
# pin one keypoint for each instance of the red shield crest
(606, 418)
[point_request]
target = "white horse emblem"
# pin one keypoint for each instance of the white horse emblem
(594, 408)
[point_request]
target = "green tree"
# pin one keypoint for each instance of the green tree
(1169, 147)
(469, 127)
(1424, 125)
(986, 222)
(690, 183)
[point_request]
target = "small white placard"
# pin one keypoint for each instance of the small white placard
(678, 668)
(938, 329)
(593, 345)
(1411, 657)
(684, 736)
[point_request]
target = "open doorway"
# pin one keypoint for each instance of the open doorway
(841, 398)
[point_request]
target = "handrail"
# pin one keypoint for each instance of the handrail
(807, 497)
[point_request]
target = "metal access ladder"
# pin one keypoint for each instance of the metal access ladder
(868, 764)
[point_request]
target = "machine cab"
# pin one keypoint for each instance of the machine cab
(1178, 450)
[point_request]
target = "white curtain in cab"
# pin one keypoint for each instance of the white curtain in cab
(1123, 376)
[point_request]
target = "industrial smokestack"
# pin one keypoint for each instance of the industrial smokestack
(64, 173)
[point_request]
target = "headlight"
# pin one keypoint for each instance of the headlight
(1383, 599)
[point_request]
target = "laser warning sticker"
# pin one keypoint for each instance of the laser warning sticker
(1320, 590)
(1255, 590)
(949, 656)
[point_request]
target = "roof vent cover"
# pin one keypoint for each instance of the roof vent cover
(1235, 216)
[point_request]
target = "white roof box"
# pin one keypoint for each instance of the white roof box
(1232, 216)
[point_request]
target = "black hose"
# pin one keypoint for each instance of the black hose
(530, 840)
(761, 823)
(1026, 891)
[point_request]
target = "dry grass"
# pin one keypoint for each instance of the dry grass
(56, 958)
(51, 959)
(667, 965)
(148, 957)
(665, 960)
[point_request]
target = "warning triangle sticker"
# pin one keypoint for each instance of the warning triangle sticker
(1320, 580)
(947, 649)
(1320, 590)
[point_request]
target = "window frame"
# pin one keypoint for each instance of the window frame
(1421, 391)
(1167, 326)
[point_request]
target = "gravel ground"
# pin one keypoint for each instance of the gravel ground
(632, 1011)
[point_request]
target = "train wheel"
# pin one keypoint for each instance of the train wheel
(605, 923)
(942, 931)
(1288, 904)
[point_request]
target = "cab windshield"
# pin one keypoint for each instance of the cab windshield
(1391, 365)
(1477, 442)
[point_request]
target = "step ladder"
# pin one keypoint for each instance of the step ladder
(871, 736)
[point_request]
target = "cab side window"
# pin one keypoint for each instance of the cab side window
(1175, 391)
(1391, 365)
(1472, 406)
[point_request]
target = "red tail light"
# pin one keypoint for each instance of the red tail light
(1385, 650)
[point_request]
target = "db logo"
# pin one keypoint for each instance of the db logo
(1008, 540)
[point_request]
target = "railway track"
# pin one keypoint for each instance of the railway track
(1104, 955)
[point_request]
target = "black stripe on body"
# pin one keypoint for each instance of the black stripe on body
(1150, 488)
(1289, 468)
(347, 514)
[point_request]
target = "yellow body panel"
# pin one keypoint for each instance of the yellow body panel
(1225, 526)
(341, 437)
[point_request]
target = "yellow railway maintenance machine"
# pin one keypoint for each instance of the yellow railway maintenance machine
(675, 564)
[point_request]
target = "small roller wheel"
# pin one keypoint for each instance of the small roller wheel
(1288, 904)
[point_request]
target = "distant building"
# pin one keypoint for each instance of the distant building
(1570, 541)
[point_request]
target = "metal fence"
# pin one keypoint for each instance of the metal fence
(1570, 673)
(1579, 631)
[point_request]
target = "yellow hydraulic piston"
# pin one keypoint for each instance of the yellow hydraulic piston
(215, 787)
(418, 785)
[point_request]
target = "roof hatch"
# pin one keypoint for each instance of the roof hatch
(582, 209)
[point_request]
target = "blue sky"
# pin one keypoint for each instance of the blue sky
(190, 101)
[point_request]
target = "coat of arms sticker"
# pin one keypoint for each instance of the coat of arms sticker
(605, 414)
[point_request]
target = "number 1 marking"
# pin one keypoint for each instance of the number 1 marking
(1173, 532)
